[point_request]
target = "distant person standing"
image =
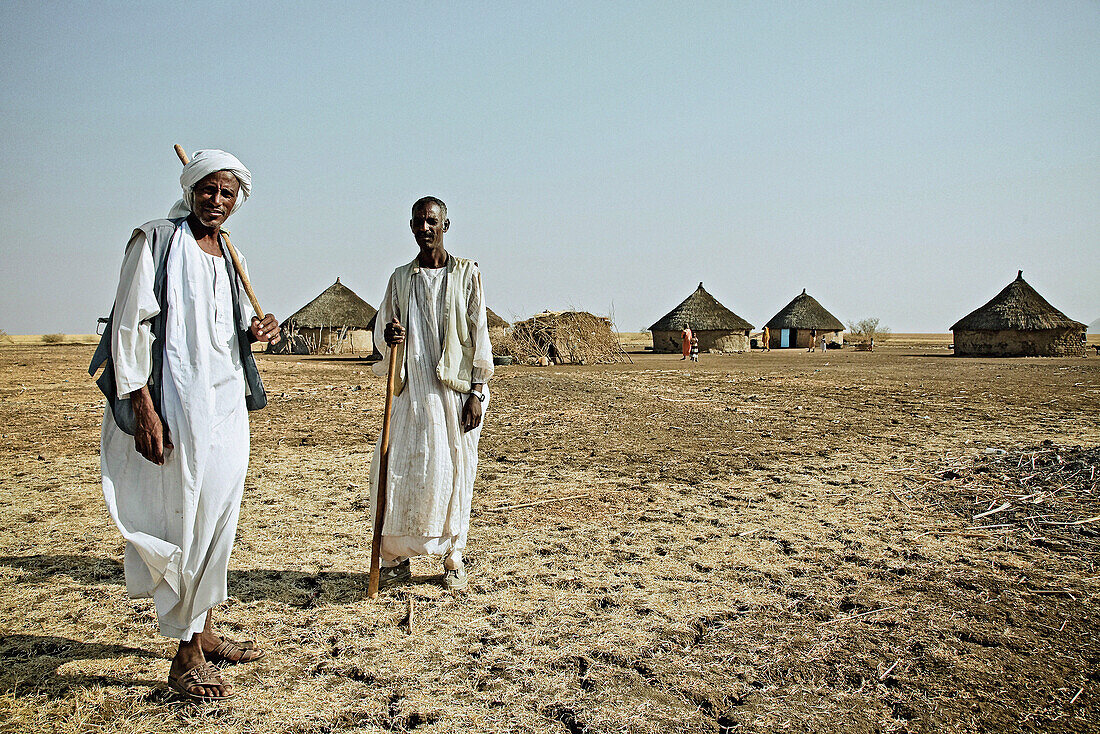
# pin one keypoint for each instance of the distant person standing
(694, 347)
(685, 342)
(813, 340)
(824, 344)
(767, 339)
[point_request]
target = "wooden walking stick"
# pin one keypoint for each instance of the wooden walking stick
(383, 475)
(236, 260)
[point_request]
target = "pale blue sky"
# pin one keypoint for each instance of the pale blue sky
(900, 160)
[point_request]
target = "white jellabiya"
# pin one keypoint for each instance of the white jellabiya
(432, 460)
(179, 519)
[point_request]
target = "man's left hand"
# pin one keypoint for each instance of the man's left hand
(266, 330)
(471, 413)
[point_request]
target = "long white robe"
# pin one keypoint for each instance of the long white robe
(179, 519)
(432, 461)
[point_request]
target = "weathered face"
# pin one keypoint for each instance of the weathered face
(214, 198)
(428, 225)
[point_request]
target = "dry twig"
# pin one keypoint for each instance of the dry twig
(537, 502)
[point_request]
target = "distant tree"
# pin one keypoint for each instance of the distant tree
(53, 338)
(868, 328)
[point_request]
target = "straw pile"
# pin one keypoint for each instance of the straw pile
(562, 337)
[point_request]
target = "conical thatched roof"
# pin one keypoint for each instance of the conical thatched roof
(702, 312)
(1094, 327)
(804, 312)
(1019, 307)
(337, 306)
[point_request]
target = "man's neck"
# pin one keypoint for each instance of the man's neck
(206, 237)
(433, 258)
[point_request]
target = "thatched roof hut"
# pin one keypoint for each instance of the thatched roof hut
(338, 320)
(498, 328)
(495, 322)
(801, 320)
(1018, 322)
(718, 328)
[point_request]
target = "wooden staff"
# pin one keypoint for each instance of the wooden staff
(236, 260)
(383, 475)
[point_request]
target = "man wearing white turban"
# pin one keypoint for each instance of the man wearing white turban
(179, 378)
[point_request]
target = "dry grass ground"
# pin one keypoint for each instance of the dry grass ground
(764, 542)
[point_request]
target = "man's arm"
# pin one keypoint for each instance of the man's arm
(132, 346)
(259, 330)
(131, 327)
(482, 370)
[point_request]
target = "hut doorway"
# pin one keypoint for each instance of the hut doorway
(785, 338)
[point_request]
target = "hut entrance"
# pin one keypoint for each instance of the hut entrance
(785, 338)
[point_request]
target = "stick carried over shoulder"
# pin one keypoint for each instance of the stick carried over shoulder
(233, 256)
(383, 474)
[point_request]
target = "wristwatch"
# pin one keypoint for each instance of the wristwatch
(479, 395)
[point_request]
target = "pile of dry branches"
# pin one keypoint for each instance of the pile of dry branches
(1049, 492)
(562, 337)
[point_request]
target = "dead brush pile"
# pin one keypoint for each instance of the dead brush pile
(562, 337)
(1049, 492)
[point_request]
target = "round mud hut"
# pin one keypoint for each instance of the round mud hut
(718, 328)
(1018, 322)
(497, 326)
(802, 319)
(335, 322)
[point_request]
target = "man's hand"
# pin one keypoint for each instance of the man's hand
(471, 413)
(395, 333)
(150, 438)
(266, 330)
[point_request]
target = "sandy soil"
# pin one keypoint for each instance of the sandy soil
(762, 542)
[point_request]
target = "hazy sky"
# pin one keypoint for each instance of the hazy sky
(900, 160)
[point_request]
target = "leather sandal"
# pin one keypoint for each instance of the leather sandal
(200, 675)
(232, 652)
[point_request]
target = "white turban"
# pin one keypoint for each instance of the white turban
(202, 164)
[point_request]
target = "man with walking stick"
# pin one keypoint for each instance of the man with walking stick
(179, 379)
(432, 330)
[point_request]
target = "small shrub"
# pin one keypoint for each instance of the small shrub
(53, 338)
(868, 329)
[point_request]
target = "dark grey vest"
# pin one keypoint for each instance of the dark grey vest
(158, 238)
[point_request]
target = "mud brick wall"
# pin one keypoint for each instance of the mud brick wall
(1046, 343)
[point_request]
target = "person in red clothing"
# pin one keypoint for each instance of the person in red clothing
(685, 342)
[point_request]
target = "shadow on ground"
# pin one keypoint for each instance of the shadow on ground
(31, 662)
(293, 588)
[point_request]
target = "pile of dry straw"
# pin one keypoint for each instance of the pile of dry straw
(562, 337)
